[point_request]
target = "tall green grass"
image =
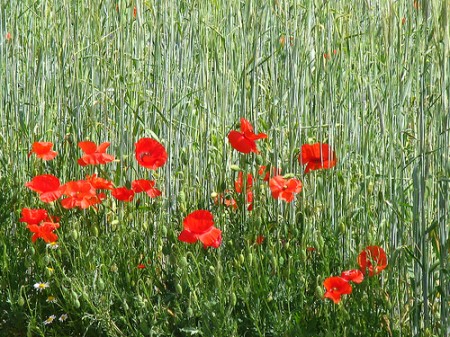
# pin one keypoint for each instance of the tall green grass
(369, 78)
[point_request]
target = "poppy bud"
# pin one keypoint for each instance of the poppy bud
(46, 259)
(189, 312)
(233, 299)
(342, 228)
(214, 195)
(235, 168)
(183, 208)
(94, 231)
(73, 295)
(74, 234)
(302, 254)
(212, 270)
(319, 291)
(115, 222)
(250, 258)
(85, 295)
(179, 289)
(275, 262)
(100, 284)
(125, 305)
(21, 301)
(141, 301)
(76, 304)
(183, 262)
(241, 259)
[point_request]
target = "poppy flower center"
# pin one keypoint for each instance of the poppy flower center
(144, 156)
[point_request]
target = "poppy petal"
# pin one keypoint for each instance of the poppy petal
(354, 275)
(187, 236)
(123, 194)
(33, 216)
(198, 222)
(141, 185)
(87, 146)
(102, 147)
(153, 192)
(212, 238)
(240, 143)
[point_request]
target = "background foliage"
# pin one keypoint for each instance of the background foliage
(370, 78)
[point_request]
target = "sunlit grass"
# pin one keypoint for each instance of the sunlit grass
(370, 79)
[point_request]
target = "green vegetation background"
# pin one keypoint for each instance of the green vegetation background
(371, 78)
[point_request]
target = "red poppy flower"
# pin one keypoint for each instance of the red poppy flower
(43, 150)
(239, 184)
(47, 185)
(199, 225)
(33, 216)
(141, 266)
(150, 153)
(80, 194)
(123, 194)
(93, 154)
(259, 239)
(284, 188)
(244, 141)
(44, 231)
(317, 156)
(372, 259)
(147, 186)
(263, 171)
(226, 200)
(249, 201)
(354, 275)
(99, 183)
(336, 287)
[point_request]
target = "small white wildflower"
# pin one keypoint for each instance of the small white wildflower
(49, 320)
(63, 317)
(40, 286)
(51, 299)
(52, 245)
